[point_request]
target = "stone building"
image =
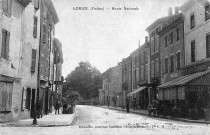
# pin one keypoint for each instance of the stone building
(48, 20)
(112, 85)
(18, 60)
(126, 78)
(153, 30)
(172, 56)
(193, 86)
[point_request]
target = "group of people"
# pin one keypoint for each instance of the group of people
(134, 104)
(39, 107)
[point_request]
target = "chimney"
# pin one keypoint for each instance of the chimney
(170, 11)
(176, 10)
(146, 39)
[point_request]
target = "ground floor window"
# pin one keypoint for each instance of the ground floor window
(6, 96)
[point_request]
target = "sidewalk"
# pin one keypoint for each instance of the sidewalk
(50, 120)
(145, 112)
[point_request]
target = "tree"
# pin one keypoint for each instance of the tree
(85, 79)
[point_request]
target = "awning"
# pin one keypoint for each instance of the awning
(135, 91)
(182, 80)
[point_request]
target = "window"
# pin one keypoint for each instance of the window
(137, 74)
(207, 12)
(152, 44)
(177, 34)
(6, 5)
(142, 72)
(33, 60)
(152, 69)
(208, 46)
(5, 44)
(193, 51)
(166, 41)
(171, 38)
(192, 21)
(172, 63)
(178, 60)
(35, 26)
(146, 71)
(28, 98)
(6, 96)
(166, 65)
(156, 67)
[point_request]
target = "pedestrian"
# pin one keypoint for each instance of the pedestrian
(57, 106)
(134, 104)
(127, 105)
(108, 103)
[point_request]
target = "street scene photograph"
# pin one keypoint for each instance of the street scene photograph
(104, 67)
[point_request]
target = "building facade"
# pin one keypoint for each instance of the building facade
(153, 30)
(48, 20)
(126, 78)
(172, 56)
(18, 44)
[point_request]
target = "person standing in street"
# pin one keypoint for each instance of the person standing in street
(127, 105)
(57, 106)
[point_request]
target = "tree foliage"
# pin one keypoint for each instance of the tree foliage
(85, 79)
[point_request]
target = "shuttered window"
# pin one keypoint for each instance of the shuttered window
(166, 65)
(208, 46)
(6, 96)
(192, 21)
(193, 51)
(156, 67)
(44, 32)
(33, 60)
(178, 60)
(5, 44)
(177, 34)
(35, 26)
(6, 5)
(207, 12)
(28, 98)
(152, 68)
(172, 63)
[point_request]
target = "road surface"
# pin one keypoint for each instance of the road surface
(96, 120)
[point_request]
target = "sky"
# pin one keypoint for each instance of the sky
(105, 37)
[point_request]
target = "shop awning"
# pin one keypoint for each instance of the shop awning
(183, 80)
(135, 91)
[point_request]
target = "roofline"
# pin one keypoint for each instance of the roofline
(52, 10)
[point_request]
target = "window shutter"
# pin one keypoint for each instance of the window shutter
(1, 96)
(9, 96)
(4, 97)
(35, 26)
(36, 4)
(208, 46)
(3, 48)
(7, 44)
(33, 60)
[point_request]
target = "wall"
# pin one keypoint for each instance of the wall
(198, 33)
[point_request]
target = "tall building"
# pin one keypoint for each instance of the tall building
(153, 30)
(172, 61)
(112, 85)
(126, 79)
(18, 44)
(48, 20)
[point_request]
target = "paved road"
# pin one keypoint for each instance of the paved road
(95, 121)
